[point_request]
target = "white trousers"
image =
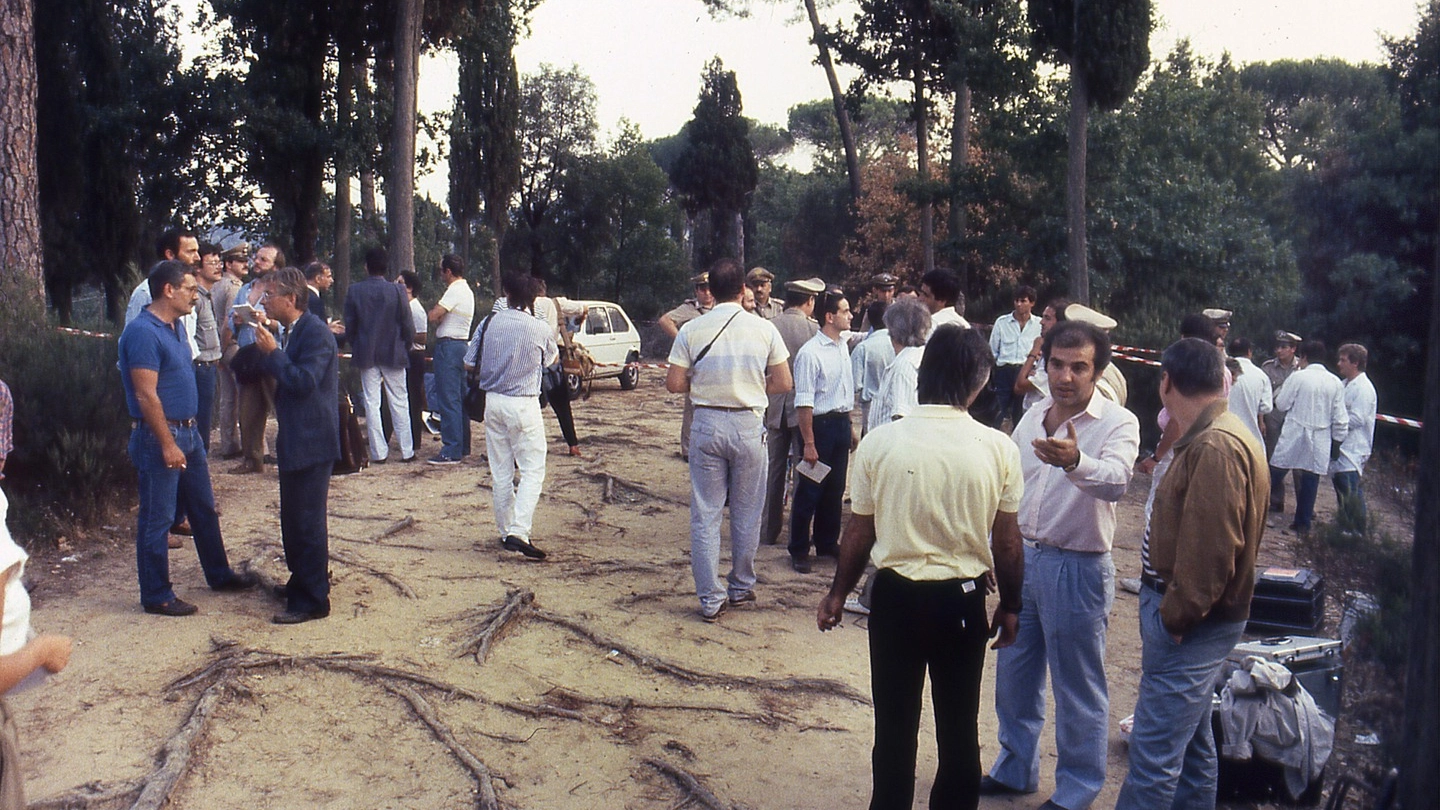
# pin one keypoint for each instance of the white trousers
(515, 442)
(395, 389)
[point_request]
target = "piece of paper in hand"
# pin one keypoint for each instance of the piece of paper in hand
(815, 472)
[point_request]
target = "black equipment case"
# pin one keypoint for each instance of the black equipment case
(1287, 600)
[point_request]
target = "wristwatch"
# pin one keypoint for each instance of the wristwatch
(1069, 468)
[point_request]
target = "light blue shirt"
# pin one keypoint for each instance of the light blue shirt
(1010, 342)
(823, 377)
(869, 361)
(517, 347)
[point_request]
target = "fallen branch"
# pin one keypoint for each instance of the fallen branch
(497, 622)
(175, 755)
(90, 795)
(769, 719)
(398, 526)
(357, 562)
(825, 686)
(486, 799)
(695, 790)
(243, 660)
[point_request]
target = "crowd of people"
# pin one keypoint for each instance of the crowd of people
(788, 403)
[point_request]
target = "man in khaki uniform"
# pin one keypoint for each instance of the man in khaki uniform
(670, 323)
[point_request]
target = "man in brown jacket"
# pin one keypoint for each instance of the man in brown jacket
(1198, 559)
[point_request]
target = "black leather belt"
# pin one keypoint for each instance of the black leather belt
(206, 362)
(832, 415)
(184, 423)
(1154, 583)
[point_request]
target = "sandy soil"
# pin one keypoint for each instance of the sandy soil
(610, 669)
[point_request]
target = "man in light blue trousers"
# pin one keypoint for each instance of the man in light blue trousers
(729, 361)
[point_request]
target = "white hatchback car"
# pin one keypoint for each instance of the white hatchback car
(612, 340)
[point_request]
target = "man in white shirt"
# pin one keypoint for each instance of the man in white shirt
(824, 397)
(907, 324)
(1314, 402)
(1250, 394)
(1077, 452)
(1361, 405)
(869, 361)
(729, 361)
(452, 316)
(940, 292)
(1011, 339)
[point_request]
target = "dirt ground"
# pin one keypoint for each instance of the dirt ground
(606, 691)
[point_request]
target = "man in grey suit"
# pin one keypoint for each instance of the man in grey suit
(379, 328)
(307, 386)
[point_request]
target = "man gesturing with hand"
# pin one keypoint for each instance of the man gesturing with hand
(926, 491)
(1077, 451)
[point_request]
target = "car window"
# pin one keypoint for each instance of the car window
(617, 321)
(597, 323)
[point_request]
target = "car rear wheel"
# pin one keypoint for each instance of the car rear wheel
(630, 377)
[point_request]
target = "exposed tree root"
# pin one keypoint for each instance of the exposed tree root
(614, 483)
(695, 791)
(485, 799)
(396, 527)
(91, 796)
(175, 754)
(256, 566)
(357, 562)
(560, 702)
(822, 686)
(496, 622)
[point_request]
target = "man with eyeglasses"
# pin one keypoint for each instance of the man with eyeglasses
(670, 323)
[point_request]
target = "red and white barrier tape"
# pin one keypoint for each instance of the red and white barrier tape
(1119, 354)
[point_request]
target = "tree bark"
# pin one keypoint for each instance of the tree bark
(21, 267)
(1075, 185)
(922, 166)
(400, 193)
(1419, 778)
(350, 66)
(842, 115)
(959, 159)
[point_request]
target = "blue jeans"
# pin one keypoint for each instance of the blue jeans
(157, 491)
(1064, 618)
(821, 502)
(449, 360)
(1307, 486)
(1350, 494)
(304, 494)
(727, 458)
(1172, 748)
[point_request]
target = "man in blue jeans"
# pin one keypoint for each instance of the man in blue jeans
(165, 445)
(1198, 574)
(452, 315)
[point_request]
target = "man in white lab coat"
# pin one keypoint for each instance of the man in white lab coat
(1314, 400)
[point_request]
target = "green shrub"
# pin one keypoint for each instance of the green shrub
(69, 465)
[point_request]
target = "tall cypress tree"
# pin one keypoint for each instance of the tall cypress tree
(716, 170)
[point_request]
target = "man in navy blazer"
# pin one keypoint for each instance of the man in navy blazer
(307, 386)
(380, 330)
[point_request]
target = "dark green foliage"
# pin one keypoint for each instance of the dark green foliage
(715, 170)
(71, 425)
(799, 221)
(1111, 42)
(557, 129)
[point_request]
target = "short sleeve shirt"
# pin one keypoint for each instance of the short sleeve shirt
(732, 373)
(150, 343)
(459, 305)
(933, 482)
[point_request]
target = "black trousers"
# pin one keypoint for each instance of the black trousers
(1002, 382)
(915, 626)
(304, 495)
(415, 388)
(559, 400)
(821, 502)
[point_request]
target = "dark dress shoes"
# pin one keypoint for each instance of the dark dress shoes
(300, 616)
(175, 607)
(523, 546)
(239, 582)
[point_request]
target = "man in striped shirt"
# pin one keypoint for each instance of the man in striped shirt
(729, 361)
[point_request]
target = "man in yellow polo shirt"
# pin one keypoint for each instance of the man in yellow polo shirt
(926, 491)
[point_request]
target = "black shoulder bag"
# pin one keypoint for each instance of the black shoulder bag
(474, 394)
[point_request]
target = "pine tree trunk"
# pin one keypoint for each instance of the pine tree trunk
(1419, 778)
(344, 211)
(959, 159)
(21, 268)
(400, 193)
(922, 165)
(842, 115)
(1075, 185)
(738, 223)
